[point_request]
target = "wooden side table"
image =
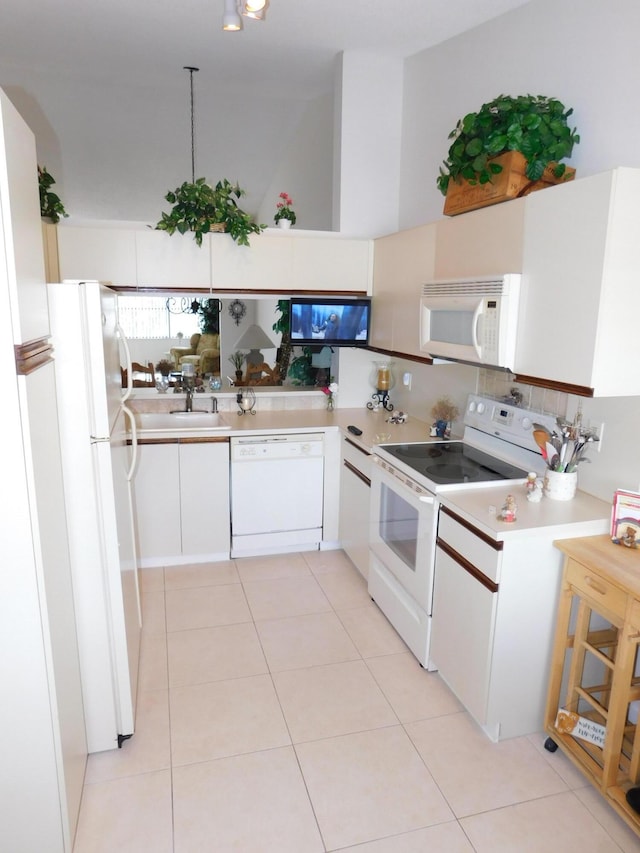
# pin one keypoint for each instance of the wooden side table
(593, 673)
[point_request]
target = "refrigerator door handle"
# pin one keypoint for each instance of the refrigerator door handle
(134, 442)
(127, 354)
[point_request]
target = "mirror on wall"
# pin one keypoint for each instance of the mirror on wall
(159, 324)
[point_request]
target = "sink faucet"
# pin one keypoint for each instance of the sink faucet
(188, 387)
(214, 405)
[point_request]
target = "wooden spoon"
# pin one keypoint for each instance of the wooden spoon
(541, 436)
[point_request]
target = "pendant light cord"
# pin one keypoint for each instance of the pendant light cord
(191, 69)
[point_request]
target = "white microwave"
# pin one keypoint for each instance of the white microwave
(472, 320)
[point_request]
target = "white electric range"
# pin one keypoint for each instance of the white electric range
(497, 447)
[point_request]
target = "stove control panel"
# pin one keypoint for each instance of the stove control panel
(505, 421)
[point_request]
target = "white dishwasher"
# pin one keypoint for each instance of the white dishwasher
(277, 484)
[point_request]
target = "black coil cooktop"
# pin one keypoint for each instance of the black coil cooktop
(452, 462)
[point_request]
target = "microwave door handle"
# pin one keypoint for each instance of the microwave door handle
(474, 328)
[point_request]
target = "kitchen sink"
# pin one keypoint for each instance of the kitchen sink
(174, 421)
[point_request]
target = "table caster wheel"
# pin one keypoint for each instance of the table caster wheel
(550, 745)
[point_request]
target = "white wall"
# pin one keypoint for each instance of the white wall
(428, 383)
(304, 170)
(116, 150)
(368, 103)
(585, 54)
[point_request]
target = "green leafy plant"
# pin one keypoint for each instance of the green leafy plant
(237, 360)
(284, 209)
(534, 125)
(199, 206)
(50, 205)
(209, 311)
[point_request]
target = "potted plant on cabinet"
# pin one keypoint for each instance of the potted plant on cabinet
(51, 207)
(511, 146)
(199, 207)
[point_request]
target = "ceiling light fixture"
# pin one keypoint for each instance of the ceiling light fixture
(235, 10)
(231, 20)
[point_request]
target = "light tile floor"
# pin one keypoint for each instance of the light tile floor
(279, 711)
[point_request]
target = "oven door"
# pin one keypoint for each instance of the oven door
(403, 531)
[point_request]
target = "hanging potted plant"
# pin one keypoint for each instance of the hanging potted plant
(198, 207)
(51, 207)
(510, 147)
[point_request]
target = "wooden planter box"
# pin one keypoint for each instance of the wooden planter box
(510, 183)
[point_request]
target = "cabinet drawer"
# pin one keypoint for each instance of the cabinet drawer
(485, 556)
(595, 587)
(358, 459)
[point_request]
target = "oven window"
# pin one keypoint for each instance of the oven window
(398, 526)
(451, 327)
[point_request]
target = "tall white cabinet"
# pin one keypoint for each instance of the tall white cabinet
(43, 748)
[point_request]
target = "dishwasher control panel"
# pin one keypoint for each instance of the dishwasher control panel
(254, 448)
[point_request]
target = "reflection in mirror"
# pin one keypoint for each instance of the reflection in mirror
(163, 328)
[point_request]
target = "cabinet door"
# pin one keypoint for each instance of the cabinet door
(403, 262)
(578, 322)
(21, 226)
(267, 264)
(172, 260)
(156, 491)
(462, 633)
(104, 254)
(355, 493)
(332, 263)
(204, 499)
(481, 242)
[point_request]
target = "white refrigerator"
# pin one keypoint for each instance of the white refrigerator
(98, 455)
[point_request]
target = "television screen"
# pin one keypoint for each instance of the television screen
(330, 321)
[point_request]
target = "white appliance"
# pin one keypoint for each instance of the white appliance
(276, 493)
(497, 446)
(98, 463)
(472, 320)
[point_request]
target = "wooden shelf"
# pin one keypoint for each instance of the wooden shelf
(594, 664)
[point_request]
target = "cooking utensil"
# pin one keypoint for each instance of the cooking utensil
(541, 436)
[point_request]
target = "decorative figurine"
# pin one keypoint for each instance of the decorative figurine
(509, 510)
(534, 488)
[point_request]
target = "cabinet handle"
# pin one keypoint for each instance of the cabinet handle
(595, 586)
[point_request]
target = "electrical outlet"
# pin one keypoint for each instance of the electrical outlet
(406, 380)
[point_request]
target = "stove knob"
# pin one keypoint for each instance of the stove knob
(481, 408)
(526, 423)
(472, 406)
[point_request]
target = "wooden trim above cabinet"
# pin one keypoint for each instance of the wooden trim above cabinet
(565, 387)
(33, 355)
(232, 291)
(421, 359)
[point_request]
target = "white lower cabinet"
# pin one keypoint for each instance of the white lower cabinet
(494, 608)
(355, 490)
(182, 501)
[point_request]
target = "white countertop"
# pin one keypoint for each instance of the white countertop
(584, 515)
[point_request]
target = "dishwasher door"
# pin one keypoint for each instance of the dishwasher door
(276, 493)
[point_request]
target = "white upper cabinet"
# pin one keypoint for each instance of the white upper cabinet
(265, 264)
(288, 262)
(21, 224)
(581, 302)
(482, 242)
(275, 261)
(172, 260)
(102, 254)
(402, 263)
(326, 263)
